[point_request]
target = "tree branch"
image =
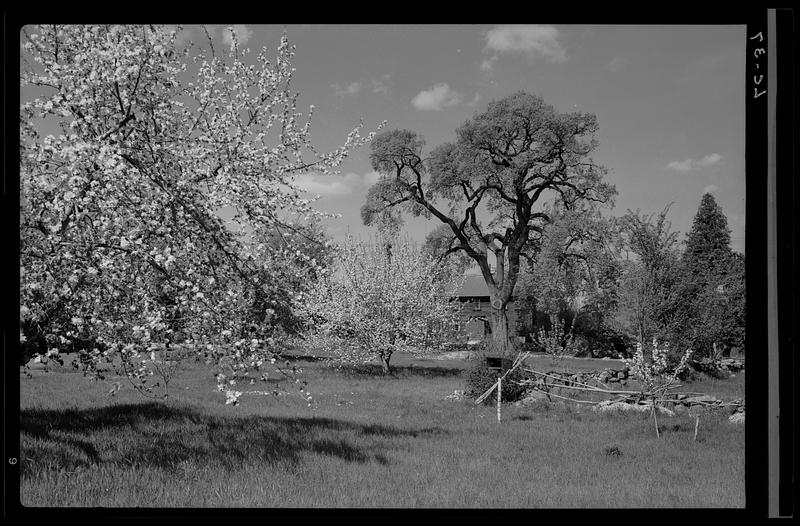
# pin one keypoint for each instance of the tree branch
(123, 122)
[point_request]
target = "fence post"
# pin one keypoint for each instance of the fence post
(499, 396)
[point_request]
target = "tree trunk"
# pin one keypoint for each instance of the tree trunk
(385, 362)
(500, 343)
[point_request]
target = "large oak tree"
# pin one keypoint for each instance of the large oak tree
(512, 163)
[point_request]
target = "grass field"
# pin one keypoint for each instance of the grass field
(370, 441)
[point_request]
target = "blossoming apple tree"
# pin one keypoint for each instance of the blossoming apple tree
(382, 298)
(145, 215)
(655, 375)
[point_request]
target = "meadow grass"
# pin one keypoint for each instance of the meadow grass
(370, 441)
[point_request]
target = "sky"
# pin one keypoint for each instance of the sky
(669, 101)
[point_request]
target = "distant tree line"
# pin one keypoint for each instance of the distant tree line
(622, 280)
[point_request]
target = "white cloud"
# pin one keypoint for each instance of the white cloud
(371, 178)
(531, 40)
(710, 189)
(709, 160)
(243, 34)
(381, 85)
(437, 98)
(474, 101)
(681, 166)
(688, 165)
(335, 184)
(351, 89)
(488, 63)
(314, 184)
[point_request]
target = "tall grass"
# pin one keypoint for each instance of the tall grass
(370, 441)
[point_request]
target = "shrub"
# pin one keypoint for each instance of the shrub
(689, 374)
(480, 378)
(526, 346)
(607, 340)
(709, 367)
(581, 346)
(558, 342)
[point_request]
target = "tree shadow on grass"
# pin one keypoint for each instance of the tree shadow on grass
(162, 436)
(375, 370)
(401, 371)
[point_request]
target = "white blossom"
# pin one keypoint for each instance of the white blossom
(119, 212)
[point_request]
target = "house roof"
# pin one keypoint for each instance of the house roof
(473, 285)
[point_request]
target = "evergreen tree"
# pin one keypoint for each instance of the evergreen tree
(713, 283)
(708, 243)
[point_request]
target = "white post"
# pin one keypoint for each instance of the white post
(499, 396)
